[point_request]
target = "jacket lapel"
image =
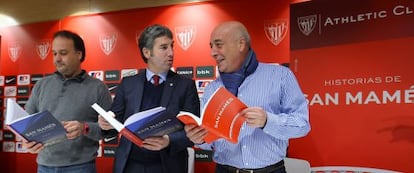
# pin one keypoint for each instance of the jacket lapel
(169, 86)
(140, 88)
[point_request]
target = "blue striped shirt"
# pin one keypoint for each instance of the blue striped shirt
(275, 89)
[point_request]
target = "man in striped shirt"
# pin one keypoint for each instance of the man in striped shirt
(277, 109)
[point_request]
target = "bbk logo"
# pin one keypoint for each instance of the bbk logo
(205, 72)
(43, 48)
(307, 24)
(185, 36)
(108, 42)
(112, 75)
(276, 30)
(15, 50)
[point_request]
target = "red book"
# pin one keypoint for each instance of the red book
(221, 116)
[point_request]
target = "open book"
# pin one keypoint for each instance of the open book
(153, 122)
(41, 127)
(220, 116)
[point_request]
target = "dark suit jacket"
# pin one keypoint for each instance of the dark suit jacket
(179, 94)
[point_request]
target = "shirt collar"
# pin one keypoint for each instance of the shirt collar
(149, 74)
(80, 77)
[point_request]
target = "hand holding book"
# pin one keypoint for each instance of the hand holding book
(220, 116)
(41, 127)
(141, 125)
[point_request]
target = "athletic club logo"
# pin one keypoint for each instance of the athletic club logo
(108, 42)
(43, 49)
(15, 50)
(276, 30)
(307, 24)
(185, 35)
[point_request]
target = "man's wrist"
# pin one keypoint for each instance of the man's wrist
(85, 128)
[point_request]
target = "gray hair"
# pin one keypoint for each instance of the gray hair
(150, 33)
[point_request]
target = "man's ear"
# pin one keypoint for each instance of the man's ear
(79, 55)
(242, 44)
(146, 52)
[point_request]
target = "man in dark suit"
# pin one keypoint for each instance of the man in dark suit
(143, 91)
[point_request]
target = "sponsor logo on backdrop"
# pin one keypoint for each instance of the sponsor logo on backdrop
(8, 146)
(2, 80)
(23, 79)
(22, 101)
(10, 80)
(19, 148)
(23, 91)
(14, 50)
(203, 155)
(205, 72)
(97, 74)
(112, 75)
(307, 24)
(35, 78)
(111, 140)
(128, 72)
(112, 87)
(185, 36)
(8, 136)
(109, 151)
(43, 48)
(185, 71)
(108, 42)
(276, 30)
(201, 84)
(10, 91)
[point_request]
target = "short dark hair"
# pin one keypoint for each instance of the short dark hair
(150, 33)
(77, 41)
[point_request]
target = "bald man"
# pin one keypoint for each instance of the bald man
(277, 110)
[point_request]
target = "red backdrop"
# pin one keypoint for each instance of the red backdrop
(111, 47)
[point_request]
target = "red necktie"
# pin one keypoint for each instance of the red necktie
(156, 79)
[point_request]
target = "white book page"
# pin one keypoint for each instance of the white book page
(141, 115)
(14, 112)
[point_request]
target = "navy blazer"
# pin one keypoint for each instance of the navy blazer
(179, 94)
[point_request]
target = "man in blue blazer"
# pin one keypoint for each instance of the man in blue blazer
(143, 91)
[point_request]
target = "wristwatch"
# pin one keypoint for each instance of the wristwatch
(85, 128)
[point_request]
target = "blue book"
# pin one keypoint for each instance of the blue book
(153, 122)
(41, 127)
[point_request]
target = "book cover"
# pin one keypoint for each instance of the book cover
(41, 127)
(220, 116)
(141, 125)
(153, 122)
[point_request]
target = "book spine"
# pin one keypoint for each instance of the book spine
(131, 136)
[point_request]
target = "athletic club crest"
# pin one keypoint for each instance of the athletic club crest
(185, 35)
(276, 30)
(307, 24)
(43, 49)
(14, 50)
(108, 42)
